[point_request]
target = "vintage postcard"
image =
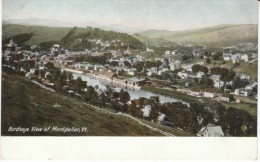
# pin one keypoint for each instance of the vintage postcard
(132, 68)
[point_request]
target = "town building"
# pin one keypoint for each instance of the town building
(226, 97)
(183, 74)
(11, 43)
(175, 65)
(244, 57)
(135, 82)
(132, 71)
(211, 131)
(242, 92)
(227, 56)
(210, 93)
(196, 91)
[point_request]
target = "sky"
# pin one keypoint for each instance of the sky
(141, 14)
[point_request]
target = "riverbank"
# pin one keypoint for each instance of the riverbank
(115, 82)
(171, 93)
(249, 107)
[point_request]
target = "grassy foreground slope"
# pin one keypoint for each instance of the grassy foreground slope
(25, 105)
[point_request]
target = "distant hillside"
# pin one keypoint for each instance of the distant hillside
(155, 33)
(46, 34)
(57, 23)
(158, 42)
(217, 36)
(41, 33)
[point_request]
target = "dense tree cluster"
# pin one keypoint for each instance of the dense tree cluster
(225, 74)
(196, 68)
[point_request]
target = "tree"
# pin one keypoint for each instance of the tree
(114, 63)
(139, 66)
(217, 56)
(102, 99)
(208, 61)
(207, 54)
(154, 111)
(206, 83)
(79, 85)
(254, 89)
(91, 96)
(124, 96)
(126, 63)
(49, 65)
(237, 122)
(185, 58)
(59, 83)
(239, 83)
(196, 68)
(109, 93)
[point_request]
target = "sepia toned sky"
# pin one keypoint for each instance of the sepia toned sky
(142, 14)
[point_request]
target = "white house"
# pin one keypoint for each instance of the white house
(209, 93)
(160, 71)
(188, 67)
(226, 97)
(183, 75)
(135, 82)
(132, 71)
(196, 91)
(244, 77)
(242, 92)
(218, 83)
(98, 67)
(175, 65)
(153, 70)
(211, 131)
(234, 58)
(11, 43)
(251, 86)
(244, 57)
(215, 77)
(174, 52)
(227, 56)
(167, 53)
(200, 74)
(33, 70)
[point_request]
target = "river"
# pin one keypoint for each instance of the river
(134, 94)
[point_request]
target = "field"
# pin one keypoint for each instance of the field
(249, 69)
(25, 105)
(250, 108)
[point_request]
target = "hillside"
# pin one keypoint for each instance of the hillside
(154, 42)
(46, 34)
(25, 105)
(216, 36)
(79, 37)
(41, 33)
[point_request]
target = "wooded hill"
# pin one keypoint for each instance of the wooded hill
(67, 36)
